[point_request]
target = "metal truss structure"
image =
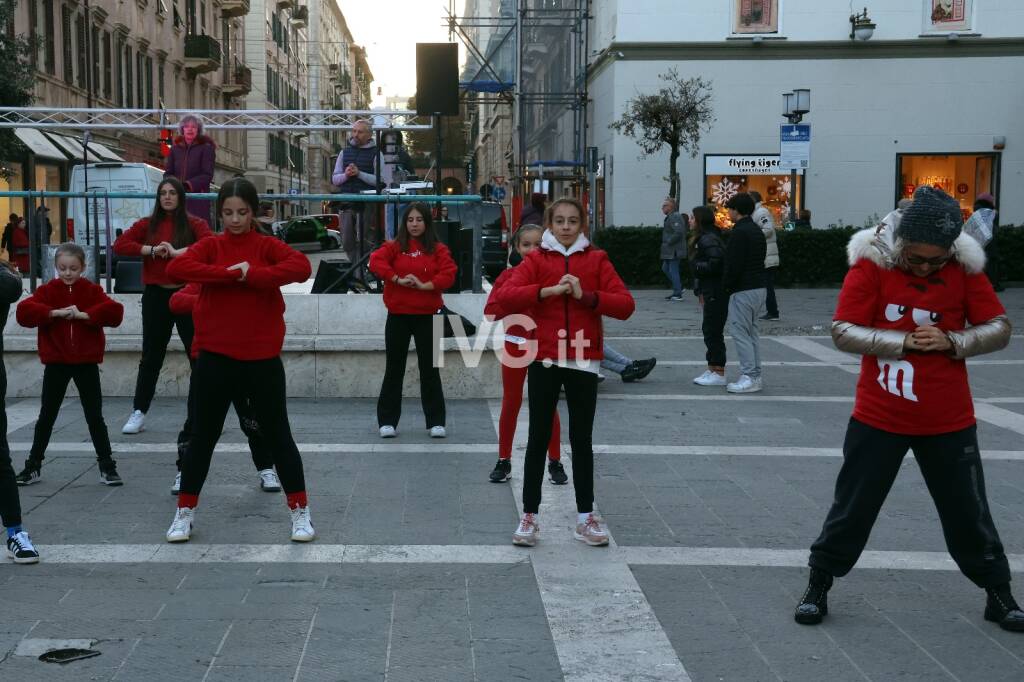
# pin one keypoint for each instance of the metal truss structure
(549, 97)
(217, 119)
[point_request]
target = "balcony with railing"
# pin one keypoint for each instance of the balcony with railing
(234, 8)
(300, 16)
(202, 53)
(285, 4)
(237, 81)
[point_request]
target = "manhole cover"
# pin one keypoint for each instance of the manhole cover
(67, 655)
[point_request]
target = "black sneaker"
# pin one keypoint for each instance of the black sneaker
(813, 605)
(19, 548)
(108, 475)
(556, 472)
(502, 471)
(631, 373)
(29, 475)
(645, 367)
(769, 318)
(1002, 608)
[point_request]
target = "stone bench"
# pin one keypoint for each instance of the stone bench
(334, 348)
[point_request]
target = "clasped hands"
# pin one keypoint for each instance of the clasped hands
(166, 250)
(413, 282)
(569, 285)
(927, 339)
(69, 313)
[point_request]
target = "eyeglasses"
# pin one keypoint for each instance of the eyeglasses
(918, 260)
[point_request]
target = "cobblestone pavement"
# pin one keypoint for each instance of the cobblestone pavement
(711, 500)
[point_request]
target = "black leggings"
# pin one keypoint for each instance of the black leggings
(716, 311)
(398, 330)
(55, 387)
(262, 458)
(951, 466)
(10, 503)
(157, 323)
(581, 398)
(219, 381)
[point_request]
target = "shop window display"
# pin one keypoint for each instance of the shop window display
(962, 176)
(726, 176)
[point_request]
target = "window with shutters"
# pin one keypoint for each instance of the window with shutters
(140, 80)
(94, 48)
(127, 78)
(202, 17)
(48, 38)
(107, 66)
(149, 82)
(160, 66)
(119, 63)
(67, 64)
(80, 50)
(33, 36)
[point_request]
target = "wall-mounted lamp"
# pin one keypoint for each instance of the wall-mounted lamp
(861, 26)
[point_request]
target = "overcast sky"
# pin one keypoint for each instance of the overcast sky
(389, 30)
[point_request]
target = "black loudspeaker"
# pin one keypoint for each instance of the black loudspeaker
(128, 277)
(437, 79)
(327, 275)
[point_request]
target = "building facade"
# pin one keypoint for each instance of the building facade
(148, 54)
(927, 99)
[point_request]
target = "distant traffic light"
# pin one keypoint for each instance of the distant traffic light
(166, 139)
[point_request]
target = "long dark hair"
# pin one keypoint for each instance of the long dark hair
(244, 190)
(704, 219)
(182, 234)
(428, 239)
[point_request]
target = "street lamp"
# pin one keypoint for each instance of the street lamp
(794, 105)
(861, 26)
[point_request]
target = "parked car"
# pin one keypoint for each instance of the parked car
(308, 232)
(494, 233)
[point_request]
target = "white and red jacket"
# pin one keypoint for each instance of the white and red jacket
(564, 320)
(438, 267)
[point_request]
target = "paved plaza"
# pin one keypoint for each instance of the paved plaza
(711, 500)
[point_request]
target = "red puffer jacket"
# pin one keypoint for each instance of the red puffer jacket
(563, 320)
(70, 342)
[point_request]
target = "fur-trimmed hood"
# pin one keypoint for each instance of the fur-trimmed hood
(880, 246)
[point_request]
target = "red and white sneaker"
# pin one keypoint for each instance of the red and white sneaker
(591, 532)
(528, 531)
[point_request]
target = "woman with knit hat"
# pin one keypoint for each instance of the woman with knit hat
(915, 303)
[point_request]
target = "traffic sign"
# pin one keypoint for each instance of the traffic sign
(498, 194)
(794, 147)
(293, 191)
(499, 179)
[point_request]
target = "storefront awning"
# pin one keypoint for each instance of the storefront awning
(39, 144)
(72, 147)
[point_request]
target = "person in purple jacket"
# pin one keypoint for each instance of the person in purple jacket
(191, 161)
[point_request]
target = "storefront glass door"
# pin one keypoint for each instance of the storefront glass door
(962, 176)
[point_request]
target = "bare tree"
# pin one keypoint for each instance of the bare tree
(675, 117)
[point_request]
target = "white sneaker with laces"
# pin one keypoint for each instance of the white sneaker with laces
(136, 423)
(591, 532)
(437, 432)
(181, 527)
(388, 432)
(527, 532)
(709, 378)
(269, 482)
(302, 526)
(176, 488)
(745, 384)
(20, 549)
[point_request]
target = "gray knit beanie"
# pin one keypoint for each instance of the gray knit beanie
(933, 218)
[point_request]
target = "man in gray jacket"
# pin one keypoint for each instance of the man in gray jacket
(673, 246)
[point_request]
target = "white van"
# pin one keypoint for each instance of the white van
(111, 177)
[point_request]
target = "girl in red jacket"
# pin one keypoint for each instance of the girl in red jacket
(70, 313)
(239, 319)
(159, 239)
(513, 374)
(566, 286)
(183, 302)
(415, 268)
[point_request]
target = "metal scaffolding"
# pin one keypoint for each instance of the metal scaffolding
(215, 119)
(547, 79)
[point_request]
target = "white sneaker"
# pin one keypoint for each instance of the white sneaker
(136, 423)
(709, 378)
(181, 527)
(302, 526)
(388, 432)
(176, 488)
(527, 532)
(745, 384)
(437, 432)
(269, 482)
(592, 532)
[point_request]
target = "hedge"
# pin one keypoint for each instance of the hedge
(808, 258)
